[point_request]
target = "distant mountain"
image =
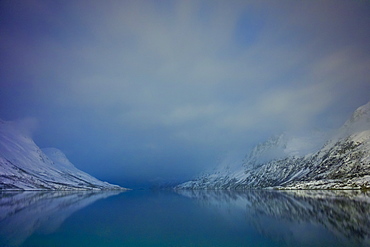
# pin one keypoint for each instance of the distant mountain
(283, 162)
(24, 166)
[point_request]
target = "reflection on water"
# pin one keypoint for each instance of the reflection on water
(285, 215)
(186, 218)
(24, 213)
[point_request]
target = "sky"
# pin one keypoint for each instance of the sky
(140, 92)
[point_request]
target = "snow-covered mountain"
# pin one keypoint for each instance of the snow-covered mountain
(24, 166)
(283, 162)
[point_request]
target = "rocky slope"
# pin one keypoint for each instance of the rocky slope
(343, 162)
(24, 166)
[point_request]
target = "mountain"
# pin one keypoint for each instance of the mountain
(24, 166)
(284, 162)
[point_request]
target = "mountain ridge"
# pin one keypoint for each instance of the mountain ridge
(24, 166)
(343, 162)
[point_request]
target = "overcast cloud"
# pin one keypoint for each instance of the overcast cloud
(148, 90)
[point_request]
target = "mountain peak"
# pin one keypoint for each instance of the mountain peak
(273, 148)
(359, 121)
(361, 113)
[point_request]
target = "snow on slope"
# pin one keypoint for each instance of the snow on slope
(24, 166)
(342, 163)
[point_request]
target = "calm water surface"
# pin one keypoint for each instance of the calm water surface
(185, 218)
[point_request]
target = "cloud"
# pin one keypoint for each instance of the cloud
(27, 126)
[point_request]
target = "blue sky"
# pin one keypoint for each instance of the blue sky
(138, 91)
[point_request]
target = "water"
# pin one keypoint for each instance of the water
(185, 218)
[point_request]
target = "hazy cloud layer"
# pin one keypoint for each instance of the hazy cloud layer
(148, 89)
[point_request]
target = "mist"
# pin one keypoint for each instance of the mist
(137, 92)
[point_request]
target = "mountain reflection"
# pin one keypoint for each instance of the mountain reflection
(279, 215)
(24, 213)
